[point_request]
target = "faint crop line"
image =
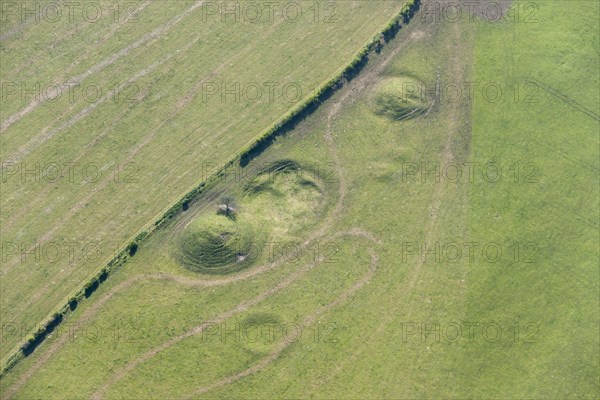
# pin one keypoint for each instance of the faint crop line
(108, 61)
(12, 263)
(182, 103)
(111, 33)
(19, 27)
(96, 139)
(69, 33)
(48, 235)
(40, 197)
(564, 98)
(34, 142)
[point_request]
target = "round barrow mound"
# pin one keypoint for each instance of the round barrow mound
(215, 244)
(286, 199)
(399, 98)
(279, 205)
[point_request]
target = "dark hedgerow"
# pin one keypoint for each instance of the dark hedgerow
(103, 276)
(35, 340)
(291, 119)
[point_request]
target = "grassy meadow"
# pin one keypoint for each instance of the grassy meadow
(161, 95)
(401, 242)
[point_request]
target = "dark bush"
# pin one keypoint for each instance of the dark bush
(91, 288)
(36, 339)
(132, 249)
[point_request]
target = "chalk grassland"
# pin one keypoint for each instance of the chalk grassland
(548, 211)
(146, 147)
(377, 298)
(354, 295)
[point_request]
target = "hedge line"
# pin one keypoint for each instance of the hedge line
(285, 124)
(294, 116)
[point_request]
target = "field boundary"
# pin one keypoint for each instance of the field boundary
(283, 125)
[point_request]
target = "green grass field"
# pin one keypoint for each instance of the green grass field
(401, 242)
(550, 208)
(151, 119)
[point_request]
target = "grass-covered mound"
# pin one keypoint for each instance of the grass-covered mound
(274, 210)
(399, 98)
(285, 198)
(216, 244)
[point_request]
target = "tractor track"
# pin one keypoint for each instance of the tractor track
(359, 84)
(143, 40)
(242, 307)
(430, 228)
(563, 98)
(107, 180)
